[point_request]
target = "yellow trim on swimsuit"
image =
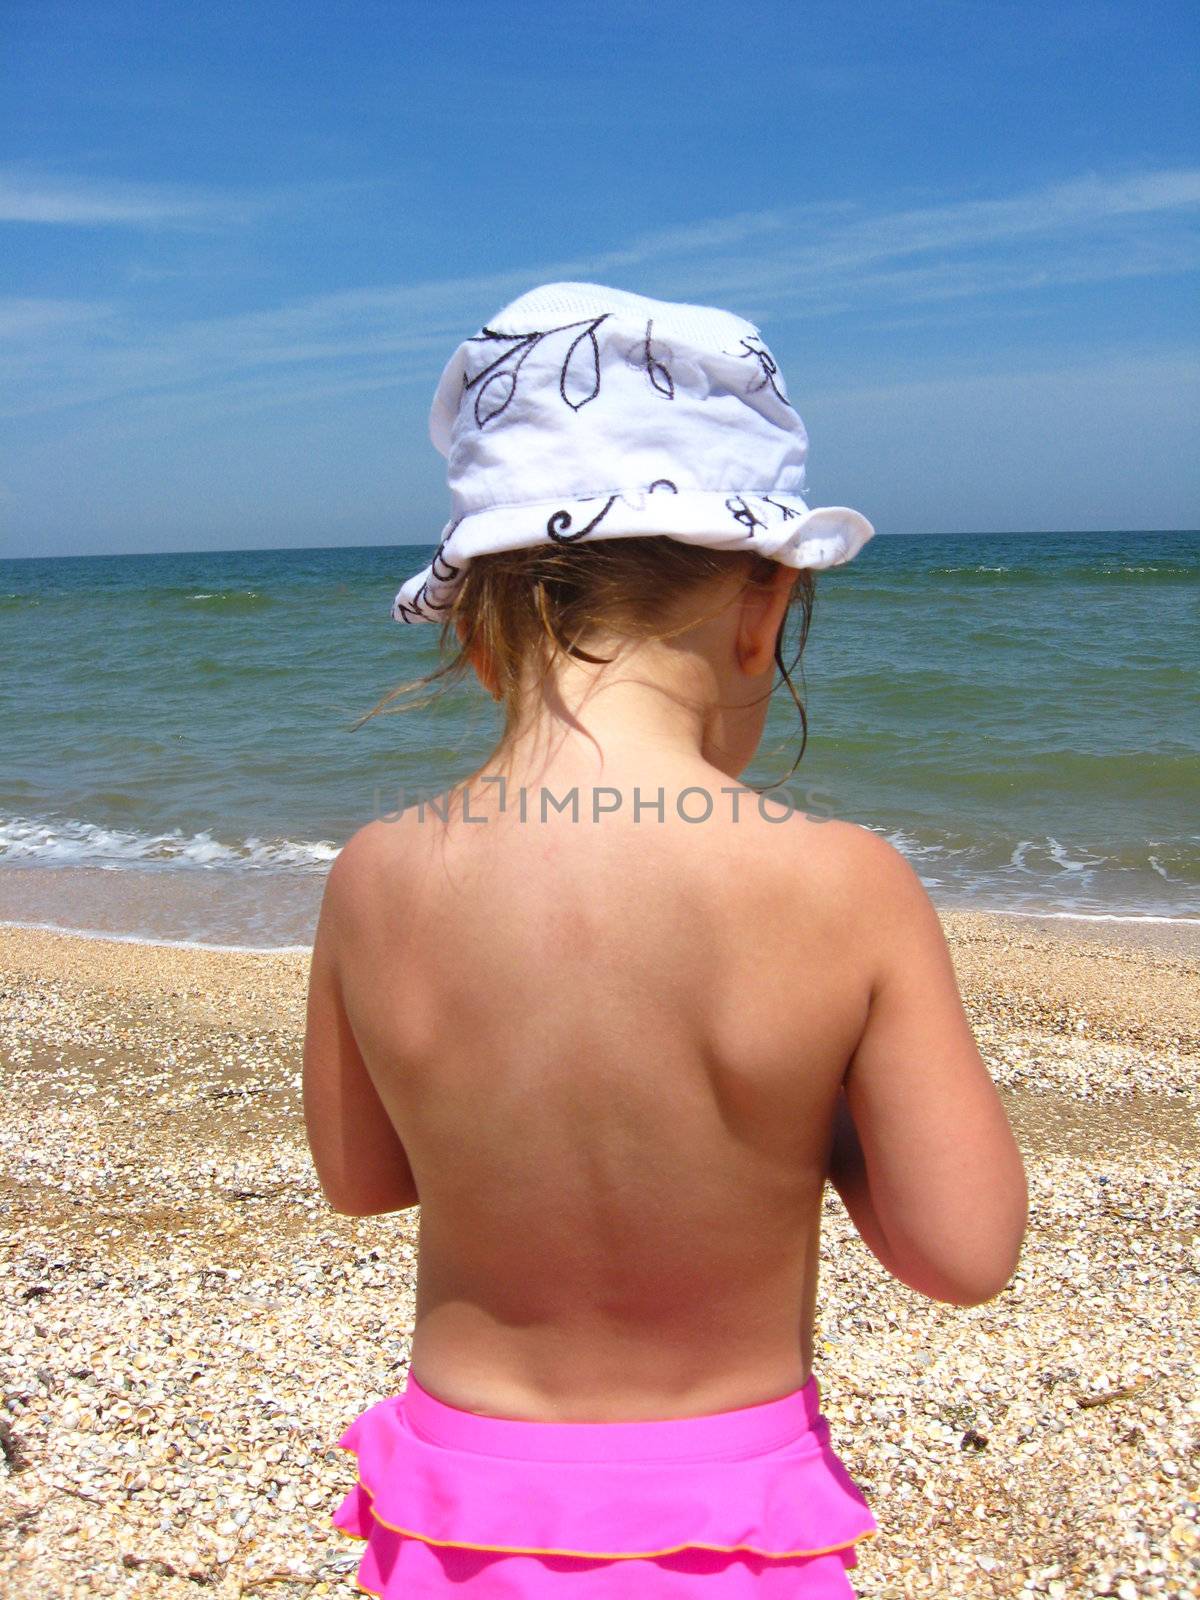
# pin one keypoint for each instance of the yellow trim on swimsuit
(597, 1555)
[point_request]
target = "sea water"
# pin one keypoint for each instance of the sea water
(1017, 714)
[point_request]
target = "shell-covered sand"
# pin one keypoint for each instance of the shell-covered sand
(186, 1328)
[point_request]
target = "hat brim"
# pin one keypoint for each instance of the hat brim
(781, 527)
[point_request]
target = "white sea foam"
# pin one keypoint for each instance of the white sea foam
(1040, 873)
(1094, 916)
(1063, 858)
(225, 594)
(72, 843)
(166, 944)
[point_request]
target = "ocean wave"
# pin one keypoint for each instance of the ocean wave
(1051, 575)
(229, 599)
(107, 937)
(1155, 879)
(170, 596)
(155, 884)
(75, 843)
(1100, 916)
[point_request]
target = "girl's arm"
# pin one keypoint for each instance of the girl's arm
(848, 1175)
(923, 1154)
(360, 1160)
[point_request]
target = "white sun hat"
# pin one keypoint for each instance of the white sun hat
(581, 412)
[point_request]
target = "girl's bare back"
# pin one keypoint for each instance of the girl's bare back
(607, 1056)
(615, 1029)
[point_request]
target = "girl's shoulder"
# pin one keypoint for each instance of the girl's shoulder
(858, 861)
(367, 869)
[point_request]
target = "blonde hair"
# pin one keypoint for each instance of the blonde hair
(517, 607)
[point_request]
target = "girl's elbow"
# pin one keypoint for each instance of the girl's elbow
(350, 1200)
(986, 1279)
(978, 1291)
(347, 1205)
(359, 1208)
(983, 1264)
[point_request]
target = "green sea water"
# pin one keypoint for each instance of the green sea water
(1018, 714)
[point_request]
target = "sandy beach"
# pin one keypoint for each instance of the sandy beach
(186, 1328)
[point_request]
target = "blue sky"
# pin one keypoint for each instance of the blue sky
(240, 241)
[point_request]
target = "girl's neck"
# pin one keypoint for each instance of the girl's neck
(593, 724)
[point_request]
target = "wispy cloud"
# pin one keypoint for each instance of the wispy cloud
(30, 197)
(32, 319)
(1082, 205)
(817, 263)
(782, 263)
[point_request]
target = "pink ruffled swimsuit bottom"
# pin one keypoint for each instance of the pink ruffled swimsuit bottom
(736, 1505)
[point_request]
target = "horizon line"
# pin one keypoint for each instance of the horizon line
(284, 549)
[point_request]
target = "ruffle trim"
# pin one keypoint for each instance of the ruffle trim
(797, 1501)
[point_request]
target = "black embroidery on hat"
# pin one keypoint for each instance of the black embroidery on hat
(421, 604)
(561, 520)
(788, 511)
(411, 610)
(496, 383)
(500, 384)
(656, 371)
(757, 351)
(742, 513)
(442, 571)
(449, 572)
(662, 483)
(589, 333)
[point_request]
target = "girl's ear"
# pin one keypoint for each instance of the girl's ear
(763, 607)
(480, 663)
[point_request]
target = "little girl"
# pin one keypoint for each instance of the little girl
(612, 1018)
